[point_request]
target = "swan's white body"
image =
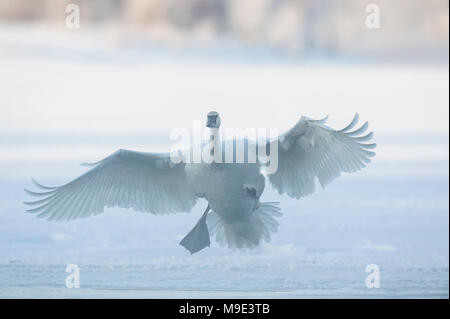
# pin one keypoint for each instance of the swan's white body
(233, 191)
(227, 188)
(152, 183)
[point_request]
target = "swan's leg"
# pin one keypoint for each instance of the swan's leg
(198, 237)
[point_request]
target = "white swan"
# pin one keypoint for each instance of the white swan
(153, 183)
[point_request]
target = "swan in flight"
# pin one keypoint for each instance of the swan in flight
(155, 183)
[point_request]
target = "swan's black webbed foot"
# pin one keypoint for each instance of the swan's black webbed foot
(198, 237)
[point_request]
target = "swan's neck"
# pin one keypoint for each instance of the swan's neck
(214, 142)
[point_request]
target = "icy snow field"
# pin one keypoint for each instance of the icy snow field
(65, 104)
(322, 248)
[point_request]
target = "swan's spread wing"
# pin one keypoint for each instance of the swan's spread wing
(313, 150)
(145, 182)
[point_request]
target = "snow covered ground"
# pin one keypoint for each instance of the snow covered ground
(67, 102)
(322, 249)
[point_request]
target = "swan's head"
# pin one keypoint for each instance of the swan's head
(213, 120)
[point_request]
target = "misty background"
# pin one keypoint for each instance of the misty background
(135, 70)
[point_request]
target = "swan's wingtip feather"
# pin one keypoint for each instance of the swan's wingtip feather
(40, 185)
(89, 164)
(36, 194)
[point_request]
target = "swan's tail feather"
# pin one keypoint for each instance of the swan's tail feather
(246, 234)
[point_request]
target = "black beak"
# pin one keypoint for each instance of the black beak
(212, 121)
